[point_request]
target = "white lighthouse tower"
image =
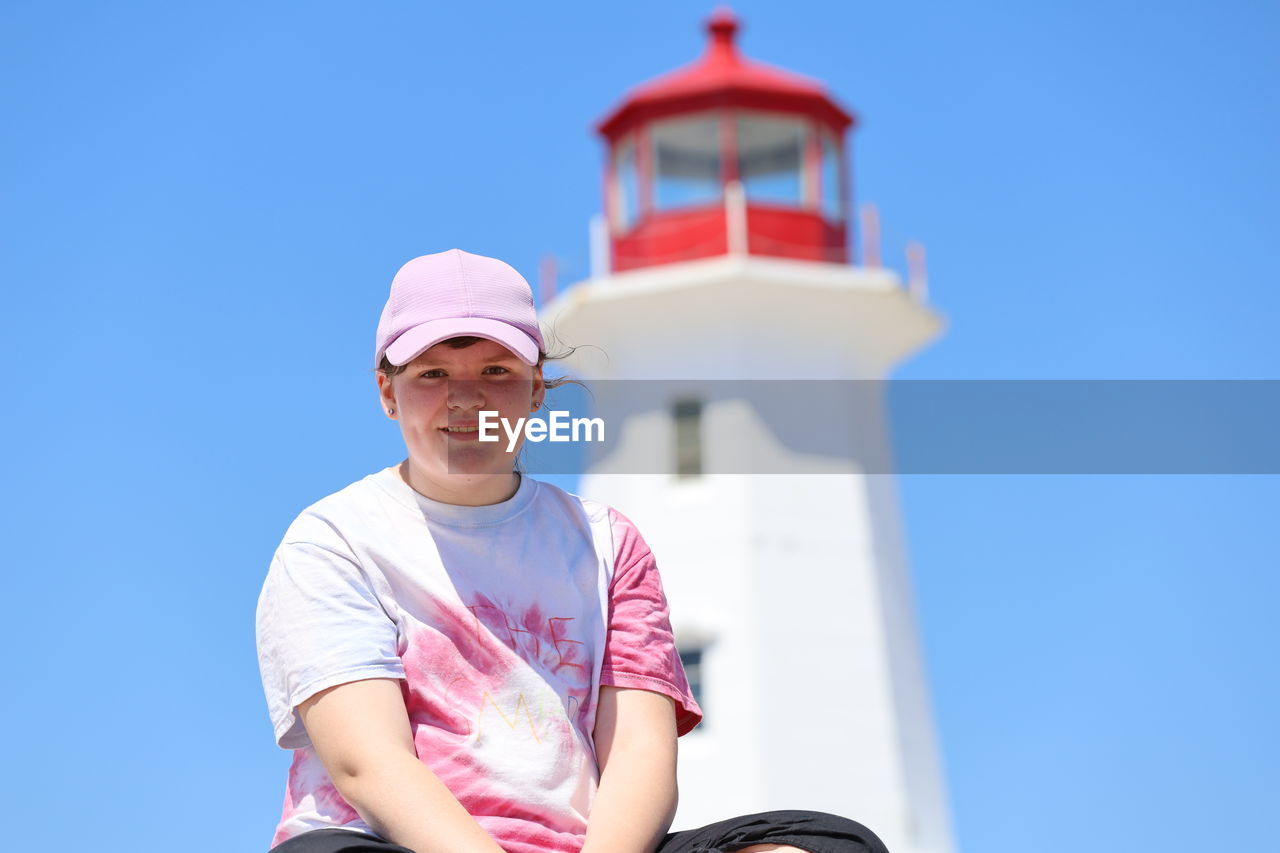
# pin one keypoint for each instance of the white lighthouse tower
(722, 270)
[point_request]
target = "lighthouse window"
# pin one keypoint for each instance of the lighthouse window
(688, 437)
(770, 154)
(691, 658)
(627, 186)
(686, 155)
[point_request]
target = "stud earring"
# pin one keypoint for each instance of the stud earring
(391, 411)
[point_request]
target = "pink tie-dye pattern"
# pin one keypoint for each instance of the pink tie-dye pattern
(553, 650)
(309, 779)
(464, 656)
(459, 671)
(456, 670)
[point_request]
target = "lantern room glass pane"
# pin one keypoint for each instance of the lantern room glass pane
(831, 207)
(686, 162)
(626, 186)
(770, 158)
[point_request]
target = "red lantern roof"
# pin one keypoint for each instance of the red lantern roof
(723, 77)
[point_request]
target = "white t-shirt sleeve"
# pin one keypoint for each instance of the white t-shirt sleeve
(319, 623)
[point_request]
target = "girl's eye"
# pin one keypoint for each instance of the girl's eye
(493, 370)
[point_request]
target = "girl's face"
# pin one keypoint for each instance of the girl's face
(437, 400)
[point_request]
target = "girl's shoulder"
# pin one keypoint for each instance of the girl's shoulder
(323, 520)
(593, 510)
(603, 517)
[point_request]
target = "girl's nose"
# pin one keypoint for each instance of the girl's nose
(465, 393)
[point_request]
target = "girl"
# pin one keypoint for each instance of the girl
(465, 659)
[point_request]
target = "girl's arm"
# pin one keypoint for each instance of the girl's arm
(361, 733)
(635, 737)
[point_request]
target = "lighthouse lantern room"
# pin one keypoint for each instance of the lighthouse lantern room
(726, 154)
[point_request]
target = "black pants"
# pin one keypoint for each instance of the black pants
(817, 832)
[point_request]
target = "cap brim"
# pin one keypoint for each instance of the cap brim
(417, 340)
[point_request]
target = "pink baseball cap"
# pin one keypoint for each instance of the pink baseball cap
(449, 294)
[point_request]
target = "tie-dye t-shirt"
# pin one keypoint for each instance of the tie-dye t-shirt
(501, 621)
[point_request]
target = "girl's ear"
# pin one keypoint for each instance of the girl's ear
(539, 388)
(384, 390)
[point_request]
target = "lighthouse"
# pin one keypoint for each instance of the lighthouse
(726, 309)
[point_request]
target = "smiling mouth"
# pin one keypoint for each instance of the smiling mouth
(462, 429)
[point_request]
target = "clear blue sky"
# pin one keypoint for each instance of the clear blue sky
(203, 206)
